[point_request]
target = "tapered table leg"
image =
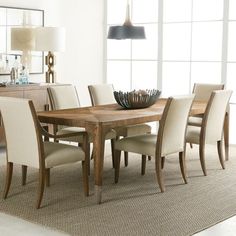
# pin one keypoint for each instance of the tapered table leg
(99, 142)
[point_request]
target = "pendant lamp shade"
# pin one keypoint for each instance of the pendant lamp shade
(127, 30)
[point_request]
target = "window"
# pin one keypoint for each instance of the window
(231, 66)
(133, 64)
(198, 46)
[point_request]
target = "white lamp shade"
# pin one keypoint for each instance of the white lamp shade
(23, 39)
(50, 39)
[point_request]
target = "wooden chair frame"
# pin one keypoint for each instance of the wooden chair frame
(159, 159)
(203, 138)
(43, 172)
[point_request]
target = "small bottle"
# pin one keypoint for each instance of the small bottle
(16, 66)
(13, 75)
(2, 66)
(7, 68)
(24, 76)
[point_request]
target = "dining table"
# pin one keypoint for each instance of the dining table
(98, 120)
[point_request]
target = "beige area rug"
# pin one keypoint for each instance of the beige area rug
(135, 205)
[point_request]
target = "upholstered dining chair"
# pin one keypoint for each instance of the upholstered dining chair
(25, 145)
(65, 97)
(202, 93)
(102, 94)
(211, 129)
(170, 139)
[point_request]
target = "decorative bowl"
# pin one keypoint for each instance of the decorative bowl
(137, 98)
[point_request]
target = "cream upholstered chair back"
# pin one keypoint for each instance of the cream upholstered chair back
(203, 91)
(63, 97)
(213, 120)
(172, 128)
(24, 144)
(101, 94)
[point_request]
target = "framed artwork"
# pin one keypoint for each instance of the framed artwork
(11, 17)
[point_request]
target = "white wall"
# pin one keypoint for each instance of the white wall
(82, 62)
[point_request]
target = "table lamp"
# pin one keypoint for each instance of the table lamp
(50, 39)
(23, 39)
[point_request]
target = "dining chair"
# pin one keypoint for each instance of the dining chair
(202, 93)
(211, 130)
(65, 97)
(102, 94)
(25, 146)
(170, 139)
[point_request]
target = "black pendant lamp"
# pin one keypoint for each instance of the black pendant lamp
(127, 30)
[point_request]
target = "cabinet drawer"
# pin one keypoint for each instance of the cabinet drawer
(15, 94)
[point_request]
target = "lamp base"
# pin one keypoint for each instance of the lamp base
(50, 76)
(26, 59)
(50, 62)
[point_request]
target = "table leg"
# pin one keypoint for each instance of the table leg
(98, 142)
(226, 135)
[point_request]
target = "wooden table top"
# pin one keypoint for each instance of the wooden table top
(111, 114)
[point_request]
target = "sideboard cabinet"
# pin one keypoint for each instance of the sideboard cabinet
(36, 92)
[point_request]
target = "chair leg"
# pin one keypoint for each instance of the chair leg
(126, 159)
(47, 177)
(149, 157)
(41, 187)
(88, 153)
(24, 174)
(117, 165)
(191, 145)
(143, 166)
(86, 165)
(159, 174)
(85, 178)
(8, 179)
(202, 158)
(162, 162)
(45, 137)
(88, 157)
(92, 155)
(112, 152)
(183, 166)
(226, 135)
(220, 153)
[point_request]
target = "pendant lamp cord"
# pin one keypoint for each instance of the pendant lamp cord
(127, 18)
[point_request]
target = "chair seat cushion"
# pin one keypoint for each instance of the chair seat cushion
(193, 134)
(68, 130)
(132, 130)
(57, 154)
(79, 138)
(143, 144)
(195, 121)
(111, 134)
